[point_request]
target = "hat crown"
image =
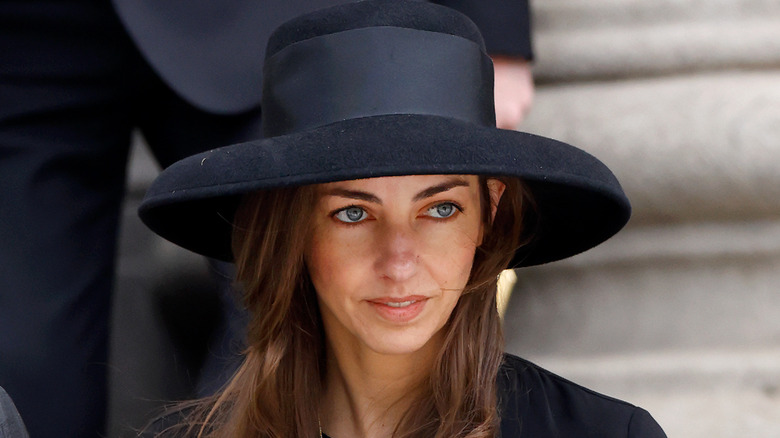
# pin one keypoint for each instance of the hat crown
(411, 14)
(376, 58)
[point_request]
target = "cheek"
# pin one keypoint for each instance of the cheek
(331, 265)
(451, 255)
(322, 262)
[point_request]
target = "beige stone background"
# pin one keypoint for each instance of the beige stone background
(680, 312)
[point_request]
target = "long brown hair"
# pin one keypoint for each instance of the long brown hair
(275, 392)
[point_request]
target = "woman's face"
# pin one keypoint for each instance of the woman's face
(389, 257)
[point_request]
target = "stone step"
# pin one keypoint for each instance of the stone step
(577, 14)
(696, 147)
(615, 39)
(654, 288)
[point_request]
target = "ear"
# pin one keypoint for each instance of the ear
(495, 189)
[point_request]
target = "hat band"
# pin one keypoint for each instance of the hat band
(359, 72)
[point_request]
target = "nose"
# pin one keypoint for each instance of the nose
(397, 257)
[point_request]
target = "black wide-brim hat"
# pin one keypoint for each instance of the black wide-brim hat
(384, 88)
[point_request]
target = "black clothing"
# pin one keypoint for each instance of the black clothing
(72, 88)
(535, 403)
(220, 71)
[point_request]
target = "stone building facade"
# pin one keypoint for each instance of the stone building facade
(681, 311)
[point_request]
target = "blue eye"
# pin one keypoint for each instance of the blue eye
(443, 210)
(351, 215)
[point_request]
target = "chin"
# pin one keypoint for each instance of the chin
(395, 350)
(402, 344)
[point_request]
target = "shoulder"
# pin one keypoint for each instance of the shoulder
(534, 402)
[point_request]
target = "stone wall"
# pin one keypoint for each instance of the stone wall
(681, 311)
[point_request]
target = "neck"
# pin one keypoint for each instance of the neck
(366, 393)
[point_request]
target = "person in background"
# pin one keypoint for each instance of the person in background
(369, 226)
(76, 78)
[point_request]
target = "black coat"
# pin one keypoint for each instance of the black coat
(535, 403)
(220, 70)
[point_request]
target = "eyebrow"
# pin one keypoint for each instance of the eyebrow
(440, 188)
(427, 193)
(354, 194)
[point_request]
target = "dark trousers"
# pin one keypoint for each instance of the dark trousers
(72, 88)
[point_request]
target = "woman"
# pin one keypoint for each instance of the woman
(368, 230)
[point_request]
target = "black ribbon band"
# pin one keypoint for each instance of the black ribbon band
(375, 71)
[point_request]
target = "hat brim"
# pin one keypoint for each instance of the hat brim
(579, 202)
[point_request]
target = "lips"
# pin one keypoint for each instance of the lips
(398, 310)
(401, 304)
